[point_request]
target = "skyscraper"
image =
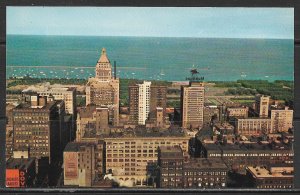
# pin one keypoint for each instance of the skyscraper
(145, 101)
(103, 89)
(139, 102)
(39, 127)
(192, 105)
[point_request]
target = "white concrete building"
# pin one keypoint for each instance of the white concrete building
(144, 102)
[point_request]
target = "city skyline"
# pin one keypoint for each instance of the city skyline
(116, 139)
(160, 22)
(111, 125)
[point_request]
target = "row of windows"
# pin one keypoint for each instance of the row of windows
(30, 113)
(276, 186)
(132, 151)
(206, 173)
(144, 143)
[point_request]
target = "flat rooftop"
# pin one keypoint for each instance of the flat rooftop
(75, 146)
(262, 172)
(204, 163)
(251, 146)
(171, 152)
(26, 105)
(143, 132)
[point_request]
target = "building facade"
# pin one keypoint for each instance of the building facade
(130, 158)
(39, 127)
(281, 120)
(177, 172)
(144, 102)
(237, 157)
(205, 173)
(79, 164)
(103, 89)
(92, 119)
(253, 126)
(192, 100)
(147, 102)
(158, 100)
(170, 162)
(237, 112)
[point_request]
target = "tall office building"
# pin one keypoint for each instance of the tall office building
(103, 89)
(262, 105)
(192, 105)
(133, 91)
(158, 102)
(147, 101)
(39, 127)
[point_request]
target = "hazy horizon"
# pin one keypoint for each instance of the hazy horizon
(146, 36)
(194, 22)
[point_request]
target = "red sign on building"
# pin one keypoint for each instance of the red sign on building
(22, 179)
(12, 178)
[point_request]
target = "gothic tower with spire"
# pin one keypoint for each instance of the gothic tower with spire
(103, 67)
(103, 89)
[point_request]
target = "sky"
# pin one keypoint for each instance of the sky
(153, 22)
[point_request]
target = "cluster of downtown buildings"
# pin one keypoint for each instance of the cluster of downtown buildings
(52, 142)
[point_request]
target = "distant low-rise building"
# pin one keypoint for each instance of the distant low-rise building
(209, 113)
(223, 131)
(262, 105)
(238, 156)
(252, 126)
(237, 112)
(281, 120)
(67, 94)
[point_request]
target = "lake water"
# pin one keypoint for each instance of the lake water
(151, 58)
